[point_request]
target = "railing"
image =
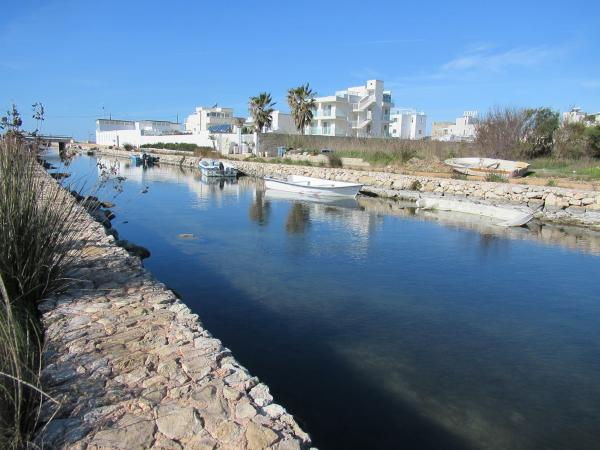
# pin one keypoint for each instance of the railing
(361, 123)
(364, 102)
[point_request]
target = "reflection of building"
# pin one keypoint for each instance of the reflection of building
(408, 124)
(463, 129)
(362, 111)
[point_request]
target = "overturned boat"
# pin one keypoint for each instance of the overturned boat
(486, 166)
(313, 186)
(504, 215)
(214, 168)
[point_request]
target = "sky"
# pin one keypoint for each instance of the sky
(159, 60)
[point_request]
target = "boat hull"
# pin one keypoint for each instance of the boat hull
(313, 187)
(485, 166)
(212, 169)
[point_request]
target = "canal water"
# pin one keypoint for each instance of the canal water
(378, 326)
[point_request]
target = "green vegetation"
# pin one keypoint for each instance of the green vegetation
(128, 147)
(37, 222)
(181, 146)
(584, 169)
(334, 160)
(301, 101)
(495, 178)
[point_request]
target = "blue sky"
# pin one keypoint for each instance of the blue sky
(154, 60)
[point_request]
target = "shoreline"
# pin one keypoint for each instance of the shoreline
(554, 205)
(134, 368)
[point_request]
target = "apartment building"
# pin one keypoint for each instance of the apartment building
(213, 120)
(362, 111)
(462, 129)
(408, 124)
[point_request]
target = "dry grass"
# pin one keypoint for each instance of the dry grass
(38, 223)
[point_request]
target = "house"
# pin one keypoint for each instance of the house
(215, 119)
(464, 128)
(576, 115)
(361, 111)
(407, 124)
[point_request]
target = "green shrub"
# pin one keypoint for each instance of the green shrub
(495, 178)
(128, 147)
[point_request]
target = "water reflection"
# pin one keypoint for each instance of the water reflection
(298, 218)
(260, 208)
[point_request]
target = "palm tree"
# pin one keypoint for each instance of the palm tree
(261, 108)
(301, 100)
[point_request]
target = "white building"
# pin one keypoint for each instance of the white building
(576, 115)
(119, 132)
(206, 127)
(408, 124)
(215, 119)
(362, 111)
(463, 129)
(280, 123)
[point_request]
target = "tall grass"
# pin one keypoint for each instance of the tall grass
(38, 222)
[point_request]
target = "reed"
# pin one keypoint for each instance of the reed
(38, 223)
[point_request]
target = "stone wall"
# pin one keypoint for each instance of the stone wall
(577, 207)
(133, 368)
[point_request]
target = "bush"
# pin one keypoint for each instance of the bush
(495, 178)
(570, 142)
(128, 147)
(593, 145)
(176, 146)
(334, 160)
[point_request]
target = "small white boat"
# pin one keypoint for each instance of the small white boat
(215, 168)
(313, 186)
(506, 216)
(486, 166)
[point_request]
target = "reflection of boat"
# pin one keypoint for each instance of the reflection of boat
(214, 168)
(313, 186)
(508, 216)
(144, 158)
(342, 202)
(486, 166)
(220, 181)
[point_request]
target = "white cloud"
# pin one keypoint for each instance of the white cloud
(591, 84)
(482, 59)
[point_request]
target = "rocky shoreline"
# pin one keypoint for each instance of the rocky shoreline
(552, 204)
(133, 368)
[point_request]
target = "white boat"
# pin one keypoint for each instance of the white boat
(506, 216)
(486, 166)
(313, 186)
(215, 168)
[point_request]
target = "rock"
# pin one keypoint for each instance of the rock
(259, 437)
(130, 433)
(186, 236)
(260, 394)
(287, 444)
(106, 204)
(177, 422)
(136, 250)
(244, 410)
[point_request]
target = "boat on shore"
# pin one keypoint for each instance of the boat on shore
(313, 186)
(215, 168)
(504, 216)
(486, 166)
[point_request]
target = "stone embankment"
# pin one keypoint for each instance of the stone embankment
(552, 204)
(133, 367)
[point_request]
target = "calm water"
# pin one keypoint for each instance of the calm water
(375, 326)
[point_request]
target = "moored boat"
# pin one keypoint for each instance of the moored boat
(144, 158)
(215, 168)
(486, 166)
(313, 186)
